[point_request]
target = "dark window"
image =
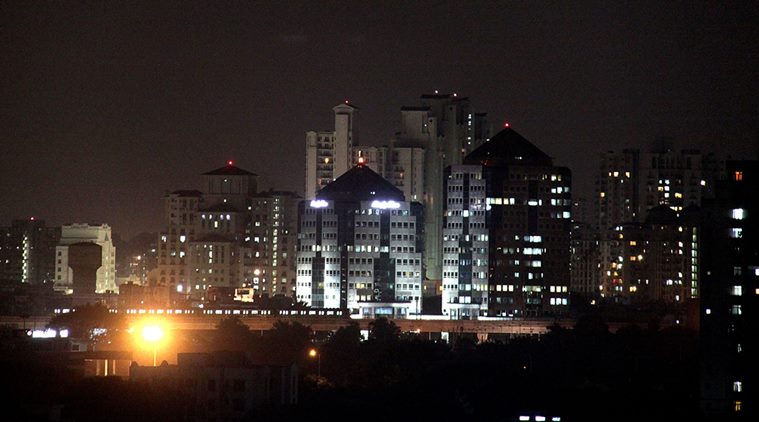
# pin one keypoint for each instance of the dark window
(211, 385)
(239, 385)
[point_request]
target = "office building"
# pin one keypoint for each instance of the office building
(506, 238)
(360, 247)
(445, 129)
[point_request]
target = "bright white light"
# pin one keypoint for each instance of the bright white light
(180, 288)
(152, 333)
(383, 205)
(63, 333)
(319, 203)
(556, 419)
(48, 333)
(524, 418)
(540, 418)
(738, 213)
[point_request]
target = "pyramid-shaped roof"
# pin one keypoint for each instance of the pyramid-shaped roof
(229, 170)
(507, 148)
(360, 184)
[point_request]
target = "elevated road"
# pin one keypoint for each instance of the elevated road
(482, 328)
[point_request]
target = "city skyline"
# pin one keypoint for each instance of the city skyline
(145, 98)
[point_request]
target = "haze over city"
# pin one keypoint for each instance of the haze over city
(107, 106)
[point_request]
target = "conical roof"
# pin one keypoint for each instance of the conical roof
(360, 184)
(505, 148)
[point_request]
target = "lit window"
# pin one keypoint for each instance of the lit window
(736, 232)
(736, 310)
(736, 291)
(737, 386)
(738, 176)
(737, 406)
(738, 213)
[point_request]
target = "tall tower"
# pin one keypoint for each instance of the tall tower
(446, 129)
(329, 154)
(507, 226)
(729, 304)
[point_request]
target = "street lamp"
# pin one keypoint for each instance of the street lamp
(313, 353)
(152, 334)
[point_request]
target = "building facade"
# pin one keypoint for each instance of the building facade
(228, 236)
(360, 247)
(507, 228)
(272, 232)
(446, 129)
(729, 309)
(73, 236)
(27, 251)
(329, 154)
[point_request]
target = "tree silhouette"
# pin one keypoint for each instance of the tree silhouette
(232, 334)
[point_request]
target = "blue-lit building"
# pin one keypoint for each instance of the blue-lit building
(360, 247)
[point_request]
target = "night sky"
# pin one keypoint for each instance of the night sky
(105, 106)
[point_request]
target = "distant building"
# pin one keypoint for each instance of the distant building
(228, 236)
(222, 385)
(360, 247)
(272, 232)
(76, 249)
(653, 261)
(506, 238)
(631, 182)
(329, 154)
(729, 313)
(27, 251)
(444, 129)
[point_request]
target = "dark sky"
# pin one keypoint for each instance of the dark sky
(105, 106)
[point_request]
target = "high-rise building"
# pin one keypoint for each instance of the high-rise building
(629, 185)
(81, 238)
(27, 251)
(507, 227)
(729, 311)
(584, 265)
(360, 247)
(631, 182)
(227, 236)
(180, 213)
(329, 154)
(653, 261)
(445, 129)
(273, 234)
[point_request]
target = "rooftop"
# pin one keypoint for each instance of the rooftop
(360, 184)
(508, 148)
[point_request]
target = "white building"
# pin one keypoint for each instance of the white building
(72, 234)
(446, 129)
(360, 247)
(329, 154)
